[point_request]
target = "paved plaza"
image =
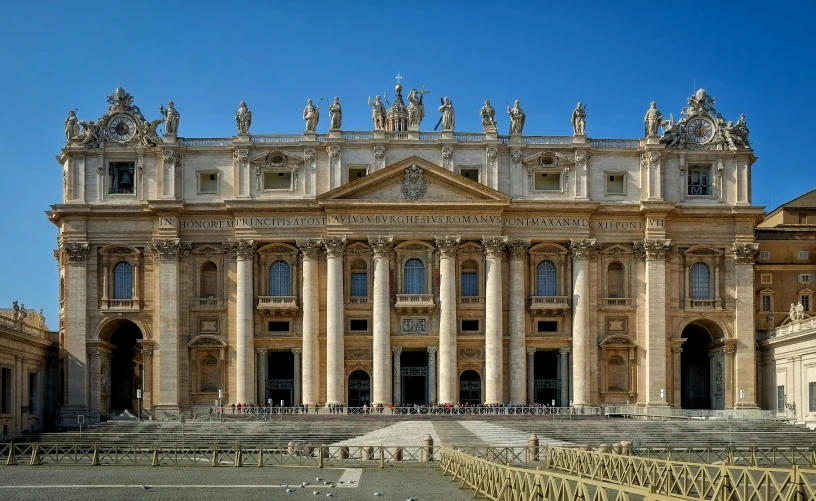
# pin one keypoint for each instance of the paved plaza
(168, 483)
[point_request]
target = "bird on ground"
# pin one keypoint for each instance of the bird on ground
(290, 491)
(318, 479)
(329, 495)
(378, 493)
(145, 487)
(315, 493)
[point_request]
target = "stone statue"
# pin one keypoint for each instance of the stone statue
(311, 114)
(732, 137)
(741, 130)
(71, 126)
(488, 115)
(792, 313)
(653, 119)
(243, 119)
(171, 118)
(769, 321)
(448, 115)
(416, 110)
(24, 313)
(335, 115)
(800, 311)
(41, 320)
(15, 310)
(89, 136)
(579, 120)
(147, 133)
(672, 133)
(377, 113)
(517, 118)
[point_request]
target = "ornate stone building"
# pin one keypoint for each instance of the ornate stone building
(400, 266)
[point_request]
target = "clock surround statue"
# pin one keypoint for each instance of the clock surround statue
(171, 118)
(243, 118)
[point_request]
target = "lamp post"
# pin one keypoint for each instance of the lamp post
(219, 409)
(139, 398)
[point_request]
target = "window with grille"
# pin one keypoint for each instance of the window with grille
(780, 398)
(209, 280)
(764, 255)
(614, 281)
(280, 279)
(700, 281)
(545, 279)
(766, 303)
(803, 255)
(699, 182)
(469, 278)
(414, 277)
(805, 300)
(359, 284)
(123, 281)
(812, 397)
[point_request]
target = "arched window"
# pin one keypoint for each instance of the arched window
(545, 279)
(280, 279)
(123, 281)
(209, 280)
(414, 277)
(359, 279)
(700, 281)
(614, 280)
(470, 279)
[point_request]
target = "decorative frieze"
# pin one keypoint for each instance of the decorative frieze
(494, 246)
(381, 245)
(167, 249)
(517, 248)
(583, 249)
(335, 246)
(77, 252)
(745, 253)
(447, 246)
(240, 249)
(309, 247)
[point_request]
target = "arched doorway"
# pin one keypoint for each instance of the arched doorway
(701, 369)
(359, 389)
(280, 382)
(470, 388)
(120, 383)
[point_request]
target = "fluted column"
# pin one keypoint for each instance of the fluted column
(74, 259)
(563, 368)
(244, 252)
(530, 374)
(745, 363)
(310, 381)
(517, 248)
(335, 247)
(263, 372)
(296, 353)
(447, 319)
(494, 353)
(397, 353)
(381, 349)
(655, 253)
(432, 374)
(582, 251)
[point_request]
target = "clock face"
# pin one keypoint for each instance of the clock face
(700, 130)
(121, 128)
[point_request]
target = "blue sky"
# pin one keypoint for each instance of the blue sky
(753, 57)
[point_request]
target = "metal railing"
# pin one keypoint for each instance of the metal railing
(707, 414)
(261, 413)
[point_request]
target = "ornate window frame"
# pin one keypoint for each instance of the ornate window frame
(414, 249)
(267, 255)
(110, 255)
(200, 348)
(471, 252)
(713, 258)
(201, 255)
(208, 172)
(769, 293)
(559, 255)
(358, 252)
(622, 255)
(806, 293)
(623, 347)
(624, 191)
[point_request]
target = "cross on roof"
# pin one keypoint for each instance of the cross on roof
(423, 91)
(398, 77)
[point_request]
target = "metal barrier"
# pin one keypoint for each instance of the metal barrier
(670, 413)
(738, 456)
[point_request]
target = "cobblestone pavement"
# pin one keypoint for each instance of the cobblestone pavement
(173, 483)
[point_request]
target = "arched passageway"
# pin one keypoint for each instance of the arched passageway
(120, 381)
(702, 381)
(359, 389)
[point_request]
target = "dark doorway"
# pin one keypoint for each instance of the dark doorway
(280, 382)
(359, 389)
(470, 388)
(414, 382)
(125, 369)
(545, 372)
(695, 390)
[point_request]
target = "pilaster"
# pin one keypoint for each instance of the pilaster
(655, 252)
(745, 366)
(74, 259)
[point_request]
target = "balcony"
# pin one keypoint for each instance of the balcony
(549, 305)
(618, 303)
(358, 302)
(471, 302)
(281, 306)
(414, 303)
(120, 304)
(206, 304)
(704, 304)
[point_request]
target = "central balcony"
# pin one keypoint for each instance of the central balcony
(120, 304)
(278, 305)
(414, 303)
(206, 303)
(618, 303)
(549, 305)
(471, 302)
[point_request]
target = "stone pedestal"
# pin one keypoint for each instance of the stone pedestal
(379, 134)
(579, 139)
(447, 134)
(335, 134)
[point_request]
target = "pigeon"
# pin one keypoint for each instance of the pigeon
(411, 499)
(326, 482)
(145, 487)
(318, 479)
(290, 491)
(329, 495)
(350, 482)
(315, 493)
(378, 493)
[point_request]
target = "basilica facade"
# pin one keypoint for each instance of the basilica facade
(398, 266)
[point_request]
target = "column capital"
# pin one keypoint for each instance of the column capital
(563, 351)
(396, 350)
(261, 351)
(517, 248)
(447, 246)
(649, 250)
(169, 249)
(432, 350)
(297, 351)
(241, 249)
(745, 253)
(309, 247)
(531, 351)
(583, 249)
(381, 244)
(494, 246)
(334, 246)
(77, 251)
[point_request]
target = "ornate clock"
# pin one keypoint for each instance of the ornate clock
(121, 128)
(700, 130)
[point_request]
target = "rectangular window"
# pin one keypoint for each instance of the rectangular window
(780, 398)
(547, 326)
(5, 391)
(765, 255)
(802, 218)
(803, 255)
(470, 325)
(766, 303)
(699, 182)
(120, 178)
(359, 284)
(805, 300)
(355, 173)
(470, 286)
(812, 397)
(470, 173)
(765, 278)
(278, 326)
(547, 181)
(32, 393)
(615, 184)
(358, 324)
(277, 181)
(207, 182)
(805, 278)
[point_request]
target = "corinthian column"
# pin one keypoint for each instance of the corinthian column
(494, 356)
(244, 253)
(655, 253)
(381, 349)
(745, 363)
(447, 319)
(582, 251)
(309, 365)
(335, 247)
(517, 249)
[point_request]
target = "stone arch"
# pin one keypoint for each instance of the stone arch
(358, 386)
(702, 364)
(119, 366)
(107, 325)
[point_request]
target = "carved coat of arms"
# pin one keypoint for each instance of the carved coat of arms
(414, 184)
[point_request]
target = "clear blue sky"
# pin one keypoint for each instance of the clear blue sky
(754, 57)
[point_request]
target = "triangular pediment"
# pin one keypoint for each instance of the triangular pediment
(414, 181)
